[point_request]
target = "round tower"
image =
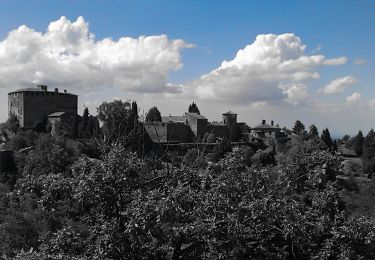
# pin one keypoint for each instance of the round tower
(230, 120)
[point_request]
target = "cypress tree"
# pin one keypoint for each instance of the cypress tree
(313, 132)
(298, 127)
(193, 108)
(368, 154)
(357, 144)
(326, 137)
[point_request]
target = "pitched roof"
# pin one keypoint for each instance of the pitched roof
(265, 126)
(195, 115)
(166, 119)
(218, 123)
(346, 151)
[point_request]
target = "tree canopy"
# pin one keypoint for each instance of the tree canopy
(193, 108)
(298, 128)
(368, 154)
(117, 118)
(313, 132)
(357, 143)
(153, 115)
(326, 137)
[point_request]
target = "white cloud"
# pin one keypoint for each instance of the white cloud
(354, 98)
(372, 104)
(68, 55)
(338, 85)
(258, 104)
(359, 61)
(261, 70)
(296, 94)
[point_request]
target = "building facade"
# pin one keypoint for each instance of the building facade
(191, 128)
(32, 105)
(267, 131)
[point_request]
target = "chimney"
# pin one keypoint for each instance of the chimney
(263, 122)
(42, 87)
(272, 122)
(65, 91)
(56, 90)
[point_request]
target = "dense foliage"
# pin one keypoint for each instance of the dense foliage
(118, 118)
(255, 201)
(193, 108)
(247, 205)
(298, 127)
(153, 115)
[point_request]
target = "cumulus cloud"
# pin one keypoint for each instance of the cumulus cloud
(338, 85)
(68, 55)
(359, 61)
(354, 98)
(273, 67)
(296, 94)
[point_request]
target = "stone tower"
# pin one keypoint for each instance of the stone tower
(230, 120)
(32, 105)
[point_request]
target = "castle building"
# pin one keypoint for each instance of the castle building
(191, 127)
(33, 105)
(230, 120)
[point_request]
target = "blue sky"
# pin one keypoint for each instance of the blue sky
(218, 29)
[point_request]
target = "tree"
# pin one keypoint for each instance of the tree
(368, 153)
(117, 119)
(345, 138)
(313, 132)
(298, 128)
(134, 110)
(85, 121)
(153, 115)
(12, 124)
(326, 137)
(92, 127)
(74, 132)
(357, 143)
(193, 108)
(134, 115)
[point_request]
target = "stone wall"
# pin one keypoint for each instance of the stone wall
(219, 130)
(168, 132)
(15, 106)
(33, 106)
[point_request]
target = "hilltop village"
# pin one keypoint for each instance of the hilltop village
(122, 186)
(38, 105)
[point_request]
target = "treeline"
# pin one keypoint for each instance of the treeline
(365, 148)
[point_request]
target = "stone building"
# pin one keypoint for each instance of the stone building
(269, 131)
(230, 120)
(191, 127)
(197, 124)
(62, 122)
(33, 105)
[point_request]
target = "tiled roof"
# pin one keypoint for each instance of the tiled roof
(218, 123)
(166, 119)
(195, 115)
(346, 151)
(264, 126)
